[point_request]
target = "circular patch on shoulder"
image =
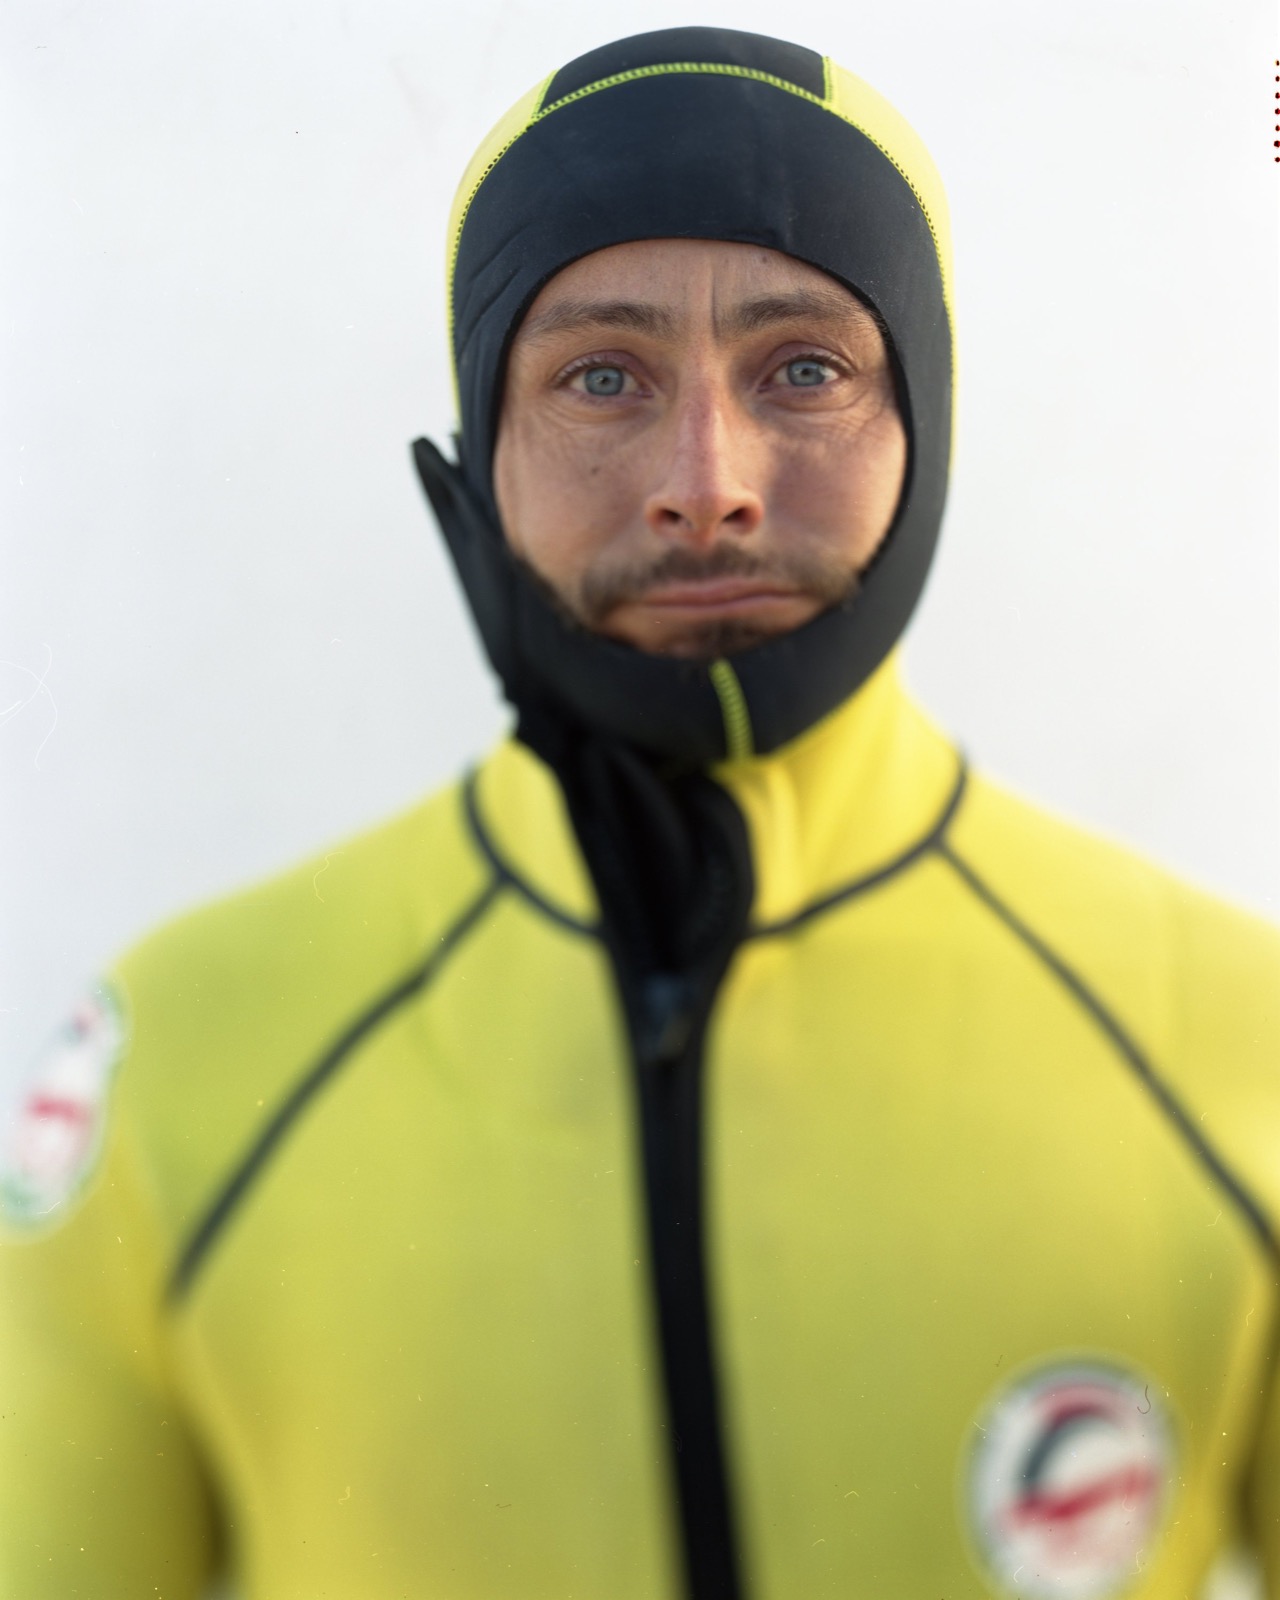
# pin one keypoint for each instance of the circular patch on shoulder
(1069, 1480)
(51, 1144)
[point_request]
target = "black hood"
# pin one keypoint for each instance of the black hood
(697, 133)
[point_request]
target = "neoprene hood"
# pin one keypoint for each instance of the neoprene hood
(700, 133)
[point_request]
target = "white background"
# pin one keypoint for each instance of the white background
(228, 629)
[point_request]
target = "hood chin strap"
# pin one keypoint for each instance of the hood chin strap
(692, 713)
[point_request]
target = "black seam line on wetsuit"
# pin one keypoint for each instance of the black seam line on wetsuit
(872, 880)
(507, 874)
(309, 1085)
(1159, 1091)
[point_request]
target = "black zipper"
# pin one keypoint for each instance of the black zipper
(668, 1036)
(668, 1012)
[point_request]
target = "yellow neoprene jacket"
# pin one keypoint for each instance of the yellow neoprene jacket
(351, 1287)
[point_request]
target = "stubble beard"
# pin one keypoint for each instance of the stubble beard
(609, 584)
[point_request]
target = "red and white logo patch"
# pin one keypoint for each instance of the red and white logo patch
(52, 1142)
(1069, 1481)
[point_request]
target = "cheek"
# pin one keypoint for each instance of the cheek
(563, 493)
(883, 464)
(841, 487)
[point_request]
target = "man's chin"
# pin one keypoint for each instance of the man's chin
(704, 641)
(711, 638)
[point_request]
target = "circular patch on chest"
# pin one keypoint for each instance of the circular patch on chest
(1069, 1481)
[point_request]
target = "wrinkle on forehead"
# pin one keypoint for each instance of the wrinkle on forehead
(735, 311)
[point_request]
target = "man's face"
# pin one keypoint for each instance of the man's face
(699, 446)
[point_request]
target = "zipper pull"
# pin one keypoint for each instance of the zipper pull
(665, 1016)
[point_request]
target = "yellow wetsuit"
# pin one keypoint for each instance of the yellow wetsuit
(347, 1274)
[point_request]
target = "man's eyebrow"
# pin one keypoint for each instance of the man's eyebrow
(663, 322)
(573, 316)
(750, 316)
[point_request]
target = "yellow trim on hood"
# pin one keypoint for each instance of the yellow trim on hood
(848, 97)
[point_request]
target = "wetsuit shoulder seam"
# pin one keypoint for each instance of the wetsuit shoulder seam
(506, 873)
(928, 842)
(317, 1076)
(1126, 1047)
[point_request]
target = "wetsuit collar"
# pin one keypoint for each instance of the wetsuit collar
(853, 795)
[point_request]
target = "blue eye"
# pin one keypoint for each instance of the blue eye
(806, 372)
(604, 380)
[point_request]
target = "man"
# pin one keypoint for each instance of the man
(720, 1148)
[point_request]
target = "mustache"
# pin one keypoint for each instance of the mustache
(608, 585)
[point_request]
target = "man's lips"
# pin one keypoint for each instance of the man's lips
(715, 595)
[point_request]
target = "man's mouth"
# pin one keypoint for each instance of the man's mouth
(700, 605)
(720, 595)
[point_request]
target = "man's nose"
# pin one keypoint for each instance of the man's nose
(704, 482)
